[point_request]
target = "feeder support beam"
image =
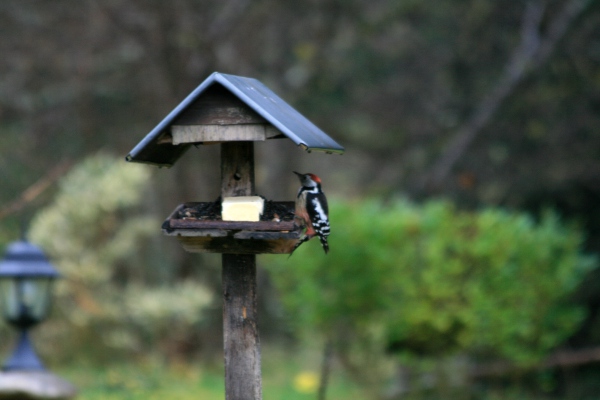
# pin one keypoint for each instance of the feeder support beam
(240, 330)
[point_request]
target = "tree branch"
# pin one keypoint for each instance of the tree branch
(563, 359)
(532, 52)
(33, 191)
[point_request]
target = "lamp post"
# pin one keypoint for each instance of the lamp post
(26, 278)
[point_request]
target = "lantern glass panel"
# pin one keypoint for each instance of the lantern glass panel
(26, 299)
(10, 299)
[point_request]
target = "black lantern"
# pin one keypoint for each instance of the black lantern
(26, 278)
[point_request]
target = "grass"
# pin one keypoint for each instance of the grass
(285, 375)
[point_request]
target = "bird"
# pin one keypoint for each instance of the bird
(311, 211)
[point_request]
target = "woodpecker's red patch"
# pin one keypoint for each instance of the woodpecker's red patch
(315, 178)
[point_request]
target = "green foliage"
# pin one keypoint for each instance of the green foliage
(432, 280)
(96, 235)
(88, 229)
(153, 379)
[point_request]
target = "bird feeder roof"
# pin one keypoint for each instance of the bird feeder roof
(255, 95)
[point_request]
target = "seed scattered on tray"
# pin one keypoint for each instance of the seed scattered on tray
(273, 211)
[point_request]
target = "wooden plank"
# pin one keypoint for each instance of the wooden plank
(245, 235)
(208, 114)
(229, 225)
(218, 106)
(253, 235)
(198, 244)
(222, 133)
(208, 134)
(196, 232)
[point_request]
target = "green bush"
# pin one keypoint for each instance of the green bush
(431, 281)
(111, 300)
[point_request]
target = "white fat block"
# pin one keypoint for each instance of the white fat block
(243, 208)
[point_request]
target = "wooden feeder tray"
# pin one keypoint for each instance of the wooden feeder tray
(199, 228)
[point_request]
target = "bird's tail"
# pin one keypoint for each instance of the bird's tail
(324, 243)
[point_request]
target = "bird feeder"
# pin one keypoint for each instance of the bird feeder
(234, 112)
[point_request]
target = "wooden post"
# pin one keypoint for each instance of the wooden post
(240, 331)
(237, 169)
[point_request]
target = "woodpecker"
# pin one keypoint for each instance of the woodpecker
(312, 210)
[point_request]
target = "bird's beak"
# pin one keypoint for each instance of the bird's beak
(298, 173)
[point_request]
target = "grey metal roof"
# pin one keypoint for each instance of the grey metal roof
(255, 95)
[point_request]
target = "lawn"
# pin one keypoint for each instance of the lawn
(288, 376)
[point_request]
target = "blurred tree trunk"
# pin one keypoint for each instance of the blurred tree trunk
(325, 369)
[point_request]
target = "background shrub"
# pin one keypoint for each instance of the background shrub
(431, 280)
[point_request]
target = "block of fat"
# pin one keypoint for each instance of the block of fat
(243, 208)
